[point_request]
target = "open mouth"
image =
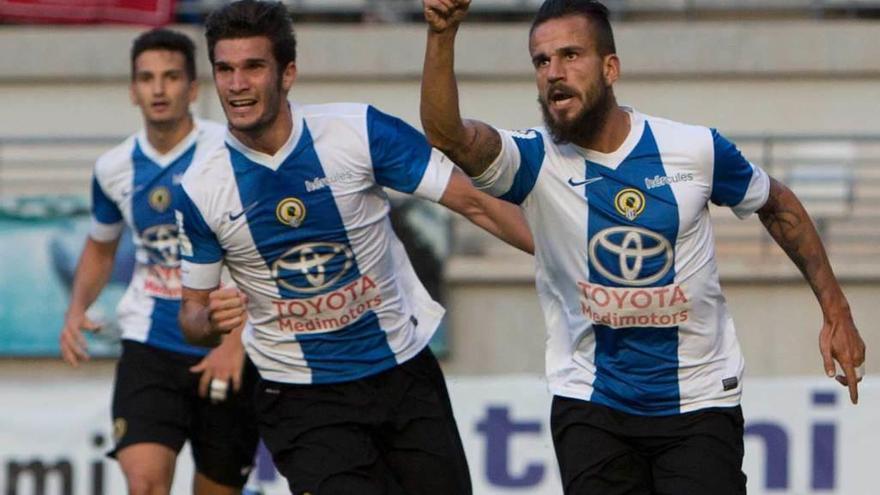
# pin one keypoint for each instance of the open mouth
(560, 97)
(243, 103)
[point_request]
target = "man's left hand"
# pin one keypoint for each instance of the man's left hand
(221, 368)
(839, 341)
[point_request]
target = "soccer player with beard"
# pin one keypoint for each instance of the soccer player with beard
(351, 400)
(166, 391)
(642, 356)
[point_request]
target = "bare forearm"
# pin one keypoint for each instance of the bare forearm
(440, 113)
(92, 273)
(790, 226)
(500, 218)
(195, 322)
(471, 144)
(506, 222)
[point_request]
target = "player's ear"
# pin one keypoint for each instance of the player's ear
(610, 68)
(288, 76)
(132, 95)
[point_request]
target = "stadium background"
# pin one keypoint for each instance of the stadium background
(795, 82)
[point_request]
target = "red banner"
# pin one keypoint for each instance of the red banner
(144, 12)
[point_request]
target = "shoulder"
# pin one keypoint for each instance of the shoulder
(338, 123)
(115, 160)
(210, 131)
(677, 129)
(210, 171)
(333, 112)
(211, 137)
(681, 138)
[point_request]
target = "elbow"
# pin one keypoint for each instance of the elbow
(444, 139)
(437, 139)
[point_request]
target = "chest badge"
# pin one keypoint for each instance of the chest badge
(291, 212)
(630, 203)
(160, 198)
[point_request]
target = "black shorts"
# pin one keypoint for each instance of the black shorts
(392, 433)
(606, 452)
(156, 400)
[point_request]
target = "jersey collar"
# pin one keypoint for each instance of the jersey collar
(272, 162)
(163, 160)
(615, 158)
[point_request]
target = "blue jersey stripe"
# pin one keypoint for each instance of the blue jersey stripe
(531, 153)
(204, 248)
(302, 239)
(153, 191)
(103, 208)
(399, 153)
(636, 367)
(732, 173)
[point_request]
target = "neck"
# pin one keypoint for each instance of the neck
(612, 134)
(270, 138)
(164, 137)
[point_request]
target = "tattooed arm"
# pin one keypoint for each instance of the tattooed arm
(788, 223)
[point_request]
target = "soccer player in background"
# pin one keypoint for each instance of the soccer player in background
(642, 356)
(351, 400)
(166, 391)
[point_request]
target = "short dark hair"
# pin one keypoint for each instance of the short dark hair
(595, 12)
(250, 18)
(165, 39)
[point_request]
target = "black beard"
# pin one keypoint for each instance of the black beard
(585, 125)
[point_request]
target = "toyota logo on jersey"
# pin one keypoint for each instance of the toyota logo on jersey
(160, 242)
(312, 267)
(631, 255)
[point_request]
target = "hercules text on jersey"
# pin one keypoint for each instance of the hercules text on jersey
(134, 185)
(332, 296)
(626, 272)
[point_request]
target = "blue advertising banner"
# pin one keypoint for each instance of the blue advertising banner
(41, 238)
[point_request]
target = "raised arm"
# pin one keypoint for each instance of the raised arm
(787, 221)
(92, 273)
(500, 218)
(471, 144)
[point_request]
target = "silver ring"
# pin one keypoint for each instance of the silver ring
(218, 389)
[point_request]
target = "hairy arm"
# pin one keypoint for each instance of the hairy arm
(500, 218)
(471, 144)
(790, 226)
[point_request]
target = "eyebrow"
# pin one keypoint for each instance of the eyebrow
(245, 62)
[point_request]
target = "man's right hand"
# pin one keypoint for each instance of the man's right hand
(73, 343)
(227, 309)
(443, 15)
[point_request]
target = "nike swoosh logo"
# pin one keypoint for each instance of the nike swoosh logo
(131, 192)
(585, 182)
(236, 216)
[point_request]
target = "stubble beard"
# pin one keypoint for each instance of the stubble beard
(267, 119)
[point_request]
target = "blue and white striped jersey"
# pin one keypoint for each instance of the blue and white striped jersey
(134, 184)
(626, 272)
(305, 233)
